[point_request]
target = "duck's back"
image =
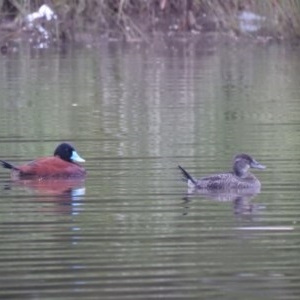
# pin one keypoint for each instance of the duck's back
(228, 181)
(53, 167)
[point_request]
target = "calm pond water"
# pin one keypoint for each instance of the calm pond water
(129, 231)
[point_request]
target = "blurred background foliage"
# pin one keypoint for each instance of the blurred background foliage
(140, 20)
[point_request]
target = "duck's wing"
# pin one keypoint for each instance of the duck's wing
(51, 167)
(217, 181)
(216, 177)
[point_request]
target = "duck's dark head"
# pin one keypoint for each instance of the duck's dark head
(243, 162)
(66, 152)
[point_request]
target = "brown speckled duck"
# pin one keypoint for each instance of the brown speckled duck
(238, 178)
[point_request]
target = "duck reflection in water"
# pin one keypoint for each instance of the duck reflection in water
(61, 196)
(242, 200)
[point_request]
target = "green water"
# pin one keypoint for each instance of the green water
(129, 231)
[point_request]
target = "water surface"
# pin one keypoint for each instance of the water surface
(129, 231)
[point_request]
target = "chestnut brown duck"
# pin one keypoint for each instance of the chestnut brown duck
(63, 164)
(239, 178)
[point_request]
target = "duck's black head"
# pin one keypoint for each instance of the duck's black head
(66, 152)
(242, 162)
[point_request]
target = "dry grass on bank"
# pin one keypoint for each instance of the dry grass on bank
(140, 20)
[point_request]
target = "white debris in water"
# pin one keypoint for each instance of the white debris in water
(42, 31)
(33, 22)
(267, 228)
(44, 12)
(249, 21)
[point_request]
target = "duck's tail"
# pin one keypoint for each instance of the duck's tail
(7, 165)
(187, 177)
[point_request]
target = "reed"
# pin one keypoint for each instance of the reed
(136, 20)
